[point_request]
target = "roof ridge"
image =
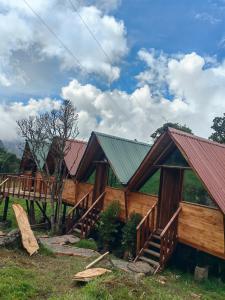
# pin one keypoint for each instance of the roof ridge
(195, 137)
(121, 138)
(77, 141)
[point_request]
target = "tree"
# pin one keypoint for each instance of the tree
(219, 130)
(51, 130)
(9, 163)
(165, 126)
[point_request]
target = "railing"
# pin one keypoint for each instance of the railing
(21, 186)
(145, 228)
(168, 238)
(82, 204)
(91, 216)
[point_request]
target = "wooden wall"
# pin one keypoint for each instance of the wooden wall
(140, 203)
(202, 228)
(199, 226)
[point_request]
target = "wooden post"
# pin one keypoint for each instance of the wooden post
(64, 213)
(126, 206)
(5, 212)
(32, 213)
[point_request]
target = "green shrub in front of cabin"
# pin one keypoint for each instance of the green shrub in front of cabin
(129, 234)
(108, 225)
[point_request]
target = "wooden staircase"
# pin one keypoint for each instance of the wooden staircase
(83, 224)
(156, 246)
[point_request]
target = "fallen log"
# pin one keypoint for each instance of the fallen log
(28, 239)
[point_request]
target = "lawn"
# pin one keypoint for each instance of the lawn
(45, 276)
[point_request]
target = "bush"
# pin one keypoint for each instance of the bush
(108, 225)
(129, 233)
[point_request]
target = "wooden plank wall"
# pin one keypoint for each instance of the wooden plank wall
(202, 228)
(199, 226)
(140, 203)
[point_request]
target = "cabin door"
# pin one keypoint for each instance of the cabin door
(101, 177)
(170, 193)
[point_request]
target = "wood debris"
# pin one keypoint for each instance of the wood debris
(97, 260)
(90, 274)
(28, 239)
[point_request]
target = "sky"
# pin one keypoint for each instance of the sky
(127, 66)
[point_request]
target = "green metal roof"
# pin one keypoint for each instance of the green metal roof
(39, 154)
(123, 155)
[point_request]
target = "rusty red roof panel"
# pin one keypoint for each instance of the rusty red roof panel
(74, 155)
(207, 158)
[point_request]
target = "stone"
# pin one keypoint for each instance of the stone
(140, 267)
(59, 246)
(11, 239)
(201, 273)
(138, 277)
(121, 264)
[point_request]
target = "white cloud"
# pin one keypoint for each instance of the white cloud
(197, 95)
(9, 113)
(21, 31)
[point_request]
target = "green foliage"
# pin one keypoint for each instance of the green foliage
(113, 180)
(165, 126)
(87, 244)
(108, 225)
(194, 191)
(151, 186)
(129, 233)
(9, 163)
(219, 130)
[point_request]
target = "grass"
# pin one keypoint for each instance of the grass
(11, 216)
(87, 244)
(49, 277)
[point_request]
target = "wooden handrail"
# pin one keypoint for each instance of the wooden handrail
(170, 222)
(93, 205)
(145, 217)
(78, 203)
(4, 181)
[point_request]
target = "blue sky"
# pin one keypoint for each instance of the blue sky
(164, 59)
(174, 27)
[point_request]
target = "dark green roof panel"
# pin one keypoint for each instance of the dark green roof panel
(124, 155)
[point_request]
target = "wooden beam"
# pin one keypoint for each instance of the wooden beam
(172, 167)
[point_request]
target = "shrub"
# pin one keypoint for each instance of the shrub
(129, 233)
(108, 225)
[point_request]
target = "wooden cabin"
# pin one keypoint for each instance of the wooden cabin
(106, 166)
(171, 219)
(29, 184)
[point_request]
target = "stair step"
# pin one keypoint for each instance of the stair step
(77, 230)
(150, 261)
(156, 236)
(151, 252)
(154, 244)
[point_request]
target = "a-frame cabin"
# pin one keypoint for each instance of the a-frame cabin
(106, 166)
(171, 219)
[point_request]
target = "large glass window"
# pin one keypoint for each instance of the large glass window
(91, 178)
(113, 180)
(151, 186)
(194, 191)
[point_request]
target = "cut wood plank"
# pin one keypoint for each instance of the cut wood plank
(96, 260)
(28, 239)
(90, 274)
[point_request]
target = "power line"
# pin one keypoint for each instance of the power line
(41, 20)
(90, 31)
(53, 33)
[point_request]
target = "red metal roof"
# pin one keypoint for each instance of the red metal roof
(205, 157)
(74, 155)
